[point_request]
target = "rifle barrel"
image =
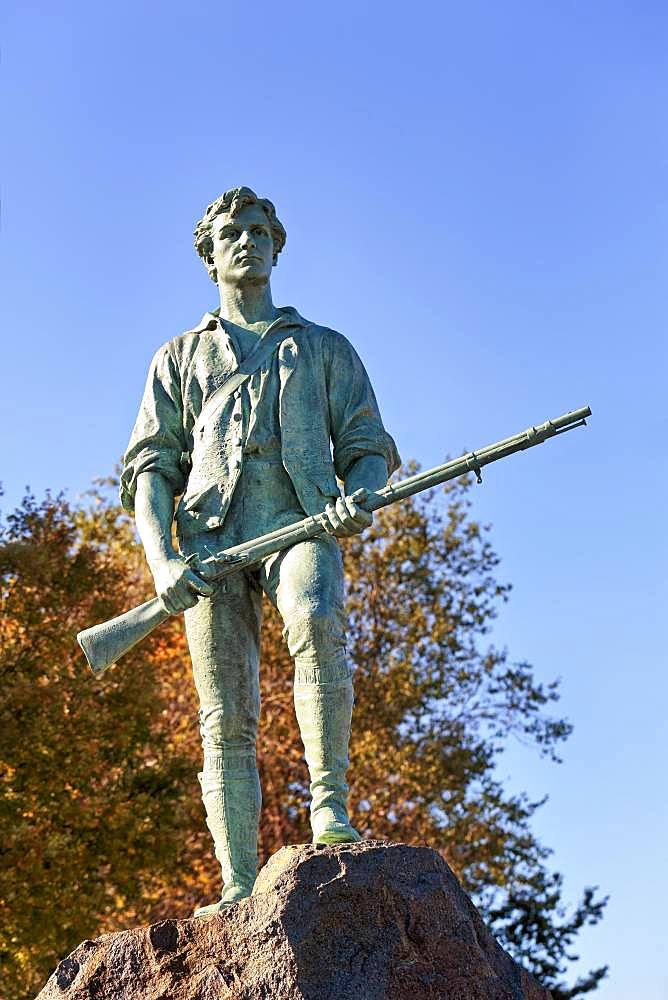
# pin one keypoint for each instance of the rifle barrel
(104, 644)
(248, 553)
(472, 461)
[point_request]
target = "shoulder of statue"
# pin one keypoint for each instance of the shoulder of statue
(183, 343)
(333, 341)
(314, 331)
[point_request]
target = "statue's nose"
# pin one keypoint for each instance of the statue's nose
(247, 239)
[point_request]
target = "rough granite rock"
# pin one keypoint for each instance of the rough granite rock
(367, 921)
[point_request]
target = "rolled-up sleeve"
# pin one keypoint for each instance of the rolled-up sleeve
(355, 421)
(157, 443)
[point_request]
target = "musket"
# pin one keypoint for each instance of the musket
(105, 644)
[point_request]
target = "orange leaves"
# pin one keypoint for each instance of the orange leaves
(102, 822)
(72, 814)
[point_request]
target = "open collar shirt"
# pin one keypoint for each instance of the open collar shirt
(310, 406)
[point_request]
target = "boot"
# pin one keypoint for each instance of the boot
(324, 714)
(232, 801)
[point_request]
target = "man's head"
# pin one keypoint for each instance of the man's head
(239, 236)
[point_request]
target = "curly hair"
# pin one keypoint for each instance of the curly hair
(230, 203)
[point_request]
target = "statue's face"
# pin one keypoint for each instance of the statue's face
(243, 248)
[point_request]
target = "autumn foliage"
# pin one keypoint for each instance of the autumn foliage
(100, 816)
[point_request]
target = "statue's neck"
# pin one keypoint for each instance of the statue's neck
(248, 304)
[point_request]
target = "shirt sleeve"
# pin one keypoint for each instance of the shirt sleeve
(355, 422)
(157, 443)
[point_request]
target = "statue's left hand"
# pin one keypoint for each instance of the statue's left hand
(346, 517)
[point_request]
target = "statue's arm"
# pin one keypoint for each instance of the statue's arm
(369, 472)
(355, 423)
(157, 443)
(175, 584)
(364, 453)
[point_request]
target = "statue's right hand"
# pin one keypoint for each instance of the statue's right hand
(177, 586)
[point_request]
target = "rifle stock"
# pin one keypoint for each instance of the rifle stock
(105, 644)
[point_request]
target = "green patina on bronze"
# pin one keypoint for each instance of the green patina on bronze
(268, 457)
(249, 418)
(106, 643)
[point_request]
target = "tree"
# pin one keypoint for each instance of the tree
(435, 706)
(87, 819)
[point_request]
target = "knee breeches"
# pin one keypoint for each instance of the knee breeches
(305, 583)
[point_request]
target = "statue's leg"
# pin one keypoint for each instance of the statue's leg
(306, 583)
(223, 636)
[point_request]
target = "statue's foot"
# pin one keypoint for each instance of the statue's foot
(231, 895)
(328, 828)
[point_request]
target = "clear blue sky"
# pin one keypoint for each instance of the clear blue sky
(475, 194)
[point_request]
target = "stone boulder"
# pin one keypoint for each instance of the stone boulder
(367, 921)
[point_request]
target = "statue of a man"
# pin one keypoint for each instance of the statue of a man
(268, 456)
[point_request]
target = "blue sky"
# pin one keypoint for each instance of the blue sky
(475, 194)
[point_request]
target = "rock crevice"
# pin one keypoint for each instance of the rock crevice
(367, 921)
